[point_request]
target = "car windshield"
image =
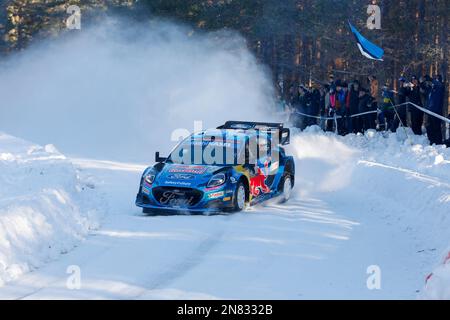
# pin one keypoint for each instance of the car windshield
(208, 151)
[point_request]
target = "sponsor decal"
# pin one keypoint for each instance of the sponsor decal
(214, 195)
(227, 199)
(220, 144)
(177, 183)
(176, 198)
(258, 183)
(181, 176)
(213, 188)
(145, 190)
(233, 180)
(188, 169)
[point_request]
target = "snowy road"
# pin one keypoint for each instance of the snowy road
(315, 246)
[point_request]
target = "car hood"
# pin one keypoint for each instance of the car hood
(181, 175)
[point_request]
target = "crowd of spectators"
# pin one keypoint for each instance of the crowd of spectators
(351, 107)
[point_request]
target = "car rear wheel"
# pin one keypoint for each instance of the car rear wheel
(148, 211)
(286, 188)
(239, 197)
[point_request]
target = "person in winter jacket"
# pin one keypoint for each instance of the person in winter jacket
(425, 89)
(374, 88)
(386, 115)
(315, 106)
(435, 104)
(324, 92)
(331, 107)
(415, 114)
(299, 106)
(341, 106)
(365, 105)
(355, 123)
(403, 93)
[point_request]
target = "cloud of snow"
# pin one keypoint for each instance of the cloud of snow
(118, 90)
(326, 164)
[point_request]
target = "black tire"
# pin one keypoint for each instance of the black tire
(148, 211)
(237, 197)
(285, 194)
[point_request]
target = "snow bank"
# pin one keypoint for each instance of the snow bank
(45, 207)
(399, 172)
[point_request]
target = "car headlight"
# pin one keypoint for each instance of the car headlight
(149, 178)
(217, 180)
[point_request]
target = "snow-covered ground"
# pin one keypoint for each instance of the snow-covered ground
(360, 202)
(45, 207)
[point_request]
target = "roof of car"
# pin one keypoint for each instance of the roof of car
(229, 133)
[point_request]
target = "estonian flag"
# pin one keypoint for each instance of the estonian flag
(367, 48)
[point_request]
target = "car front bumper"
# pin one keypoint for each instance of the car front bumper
(204, 206)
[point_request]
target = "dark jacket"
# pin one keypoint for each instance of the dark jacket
(364, 103)
(436, 100)
(414, 96)
(354, 101)
(403, 92)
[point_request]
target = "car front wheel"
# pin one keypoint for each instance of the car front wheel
(239, 197)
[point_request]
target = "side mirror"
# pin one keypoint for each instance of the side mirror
(159, 159)
(285, 138)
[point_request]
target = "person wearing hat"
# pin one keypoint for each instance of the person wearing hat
(415, 114)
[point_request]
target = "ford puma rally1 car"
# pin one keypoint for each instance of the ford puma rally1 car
(240, 163)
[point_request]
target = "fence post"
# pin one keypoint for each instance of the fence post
(336, 131)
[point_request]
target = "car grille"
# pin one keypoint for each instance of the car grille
(177, 197)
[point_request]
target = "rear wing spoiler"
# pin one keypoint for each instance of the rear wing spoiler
(285, 133)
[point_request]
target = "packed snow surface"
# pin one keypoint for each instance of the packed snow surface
(361, 203)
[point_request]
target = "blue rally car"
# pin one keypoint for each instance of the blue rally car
(240, 163)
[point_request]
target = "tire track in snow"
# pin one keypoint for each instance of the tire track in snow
(176, 271)
(419, 176)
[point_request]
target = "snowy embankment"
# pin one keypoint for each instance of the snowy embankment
(45, 207)
(398, 173)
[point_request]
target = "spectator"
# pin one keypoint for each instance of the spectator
(365, 105)
(425, 89)
(374, 89)
(386, 115)
(435, 104)
(356, 123)
(315, 106)
(416, 114)
(301, 105)
(331, 107)
(324, 92)
(400, 109)
(307, 97)
(341, 97)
